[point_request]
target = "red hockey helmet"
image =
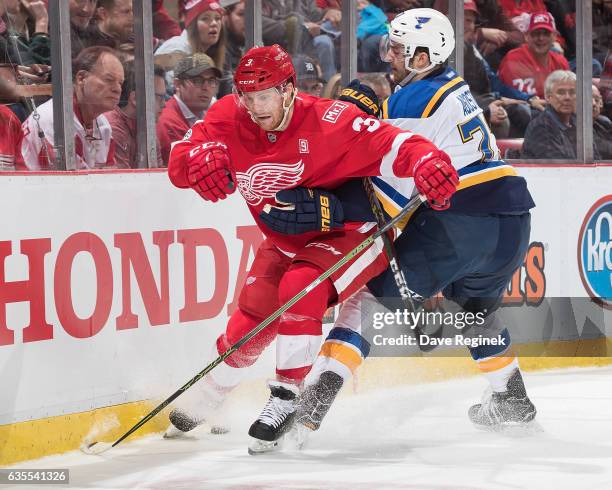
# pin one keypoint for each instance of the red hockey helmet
(262, 68)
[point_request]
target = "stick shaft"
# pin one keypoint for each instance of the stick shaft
(398, 275)
(412, 204)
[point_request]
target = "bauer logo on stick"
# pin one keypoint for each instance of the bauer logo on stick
(595, 251)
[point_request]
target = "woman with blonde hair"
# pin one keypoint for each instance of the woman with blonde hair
(203, 33)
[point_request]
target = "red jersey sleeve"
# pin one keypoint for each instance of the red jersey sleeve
(375, 148)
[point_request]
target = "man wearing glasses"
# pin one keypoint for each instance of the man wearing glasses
(196, 81)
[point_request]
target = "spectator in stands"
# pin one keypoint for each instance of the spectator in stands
(527, 67)
(552, 134)
(235, 41)
(564, 13)
(333, 87)
(28, 26)
(17, 93)
(123, 118)
(9, 90)
(602, 127)
(602, 29)
(97, 77)
(203, 33)
(378, 82)
(329, 4)
(10, 140)
(605, 85)
(164, 26)
(496, 33)
(196, 82)
(394, 7)
(81, 13)
(308, 74)
(372, 25)
(114, 24)
(506, 109)
(301, 27)
(520, 11)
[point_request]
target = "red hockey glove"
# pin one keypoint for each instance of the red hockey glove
(436, 178)
(208, 171)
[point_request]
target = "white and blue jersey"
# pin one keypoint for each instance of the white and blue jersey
(441, 108)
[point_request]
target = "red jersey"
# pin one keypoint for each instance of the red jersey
(10, 140)
(519, 69)
(513, 8)
(171, 126)
(326, 143)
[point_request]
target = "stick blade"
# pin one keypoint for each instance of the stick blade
(95, 447)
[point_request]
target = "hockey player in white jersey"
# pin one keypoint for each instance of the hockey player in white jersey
(467, 248)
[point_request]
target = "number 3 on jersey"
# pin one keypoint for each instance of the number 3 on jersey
(469, 128)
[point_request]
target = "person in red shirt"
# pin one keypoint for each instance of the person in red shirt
(122, 118)
(164, 26)
(10, 140)
(515, 8)
(265, 141)
(527, 67)
(196, 81)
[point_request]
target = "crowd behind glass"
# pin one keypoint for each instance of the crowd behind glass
(519, 58)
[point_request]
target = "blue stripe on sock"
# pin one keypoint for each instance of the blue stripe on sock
(350, 337)
(484, 351)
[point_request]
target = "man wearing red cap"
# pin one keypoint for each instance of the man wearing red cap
(527, 67)
(266, 141)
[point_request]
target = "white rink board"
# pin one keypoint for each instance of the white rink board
(66, 374)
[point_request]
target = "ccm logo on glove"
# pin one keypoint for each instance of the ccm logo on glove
(208, 171)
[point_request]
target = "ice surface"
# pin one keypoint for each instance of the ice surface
(415, 437)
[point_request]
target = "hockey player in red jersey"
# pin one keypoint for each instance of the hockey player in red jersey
(263, 139)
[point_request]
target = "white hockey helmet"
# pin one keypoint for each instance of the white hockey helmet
(426, 28)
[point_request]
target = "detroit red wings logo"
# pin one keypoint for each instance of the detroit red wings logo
(264, 180)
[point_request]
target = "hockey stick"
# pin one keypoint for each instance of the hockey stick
(398, 275)
(97, 447)
(400, 280)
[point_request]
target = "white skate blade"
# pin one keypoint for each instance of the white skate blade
(258, 446)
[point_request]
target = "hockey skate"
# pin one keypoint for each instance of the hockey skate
(315, 401)
(312, 406)
(275, 419)
(499, 410)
